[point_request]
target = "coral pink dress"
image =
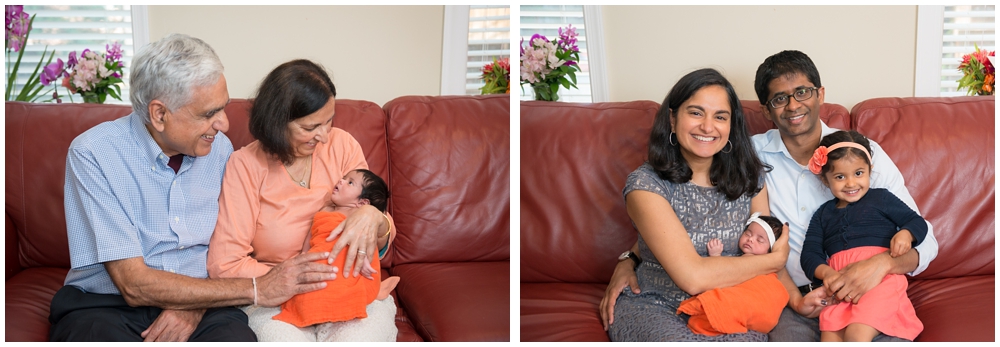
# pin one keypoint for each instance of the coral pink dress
(885, 308)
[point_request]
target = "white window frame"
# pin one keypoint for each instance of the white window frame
(140, 26)
(454, 49)
(593, 18)
(927, 74)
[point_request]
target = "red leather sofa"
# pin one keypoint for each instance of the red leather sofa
(575, 158)
(446, 160)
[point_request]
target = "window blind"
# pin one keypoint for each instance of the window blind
(489, 38)
(66, 29)
(964, 27)
(546, 20)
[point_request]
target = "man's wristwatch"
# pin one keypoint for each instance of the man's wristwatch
(631, 255)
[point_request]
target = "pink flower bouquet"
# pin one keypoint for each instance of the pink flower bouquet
(546, 65)
(92, 75)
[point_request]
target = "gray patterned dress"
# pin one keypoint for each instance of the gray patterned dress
(705, 214)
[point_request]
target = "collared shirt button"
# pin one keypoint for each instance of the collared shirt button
(177, 219)
(803, 208)
(181, 247)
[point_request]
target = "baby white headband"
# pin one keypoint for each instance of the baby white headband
(755, 218)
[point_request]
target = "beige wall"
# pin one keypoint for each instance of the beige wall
(373, 53)
(861, 52)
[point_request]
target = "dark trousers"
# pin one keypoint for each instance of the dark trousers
(79, 316)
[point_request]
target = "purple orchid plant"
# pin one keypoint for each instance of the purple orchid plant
(18, 26)
(546, 65)
(92, 75)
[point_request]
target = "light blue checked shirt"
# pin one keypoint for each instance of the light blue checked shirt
(794, 194)
(123, 201)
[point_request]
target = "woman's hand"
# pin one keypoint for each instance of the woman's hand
(358, 233)
(624, 276)
(780, 248)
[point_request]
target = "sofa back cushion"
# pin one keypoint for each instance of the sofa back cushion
(834, 115)
(450, 178)
(574, 161)
(944, 147)
(38, 138)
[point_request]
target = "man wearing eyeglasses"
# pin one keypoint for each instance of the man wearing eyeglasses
(789, 90)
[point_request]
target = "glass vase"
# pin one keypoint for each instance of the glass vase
(543, 92)
(91, 99)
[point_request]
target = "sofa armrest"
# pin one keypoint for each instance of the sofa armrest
(13, 265)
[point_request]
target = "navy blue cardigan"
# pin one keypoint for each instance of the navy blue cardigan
(871, 221)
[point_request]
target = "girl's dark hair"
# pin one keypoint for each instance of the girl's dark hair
(774, 223)
(845, 136)
(781, 64)
(374, 189)
(291, 91)
(735, 173)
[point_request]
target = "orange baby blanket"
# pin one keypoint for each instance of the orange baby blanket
(755, 305)
(344, 298)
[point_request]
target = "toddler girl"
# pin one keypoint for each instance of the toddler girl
(855, 225)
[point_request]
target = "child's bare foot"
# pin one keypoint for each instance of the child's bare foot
(386, 287)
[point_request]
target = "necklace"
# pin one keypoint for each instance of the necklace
(301, 181)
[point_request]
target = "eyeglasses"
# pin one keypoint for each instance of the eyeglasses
(799, 95)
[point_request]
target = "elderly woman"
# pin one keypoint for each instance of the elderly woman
(274, 186)
(701, 182)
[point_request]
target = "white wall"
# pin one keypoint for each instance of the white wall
(374, 53)
(861, 52)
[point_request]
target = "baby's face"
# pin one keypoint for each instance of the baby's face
(347, 192)
(754, 240)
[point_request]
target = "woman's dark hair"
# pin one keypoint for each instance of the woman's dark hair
(839, 153)
(735, 173)
(781, 64)
(291, 91)
(374, 189)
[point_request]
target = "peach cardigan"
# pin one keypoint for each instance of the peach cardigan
(264, 217)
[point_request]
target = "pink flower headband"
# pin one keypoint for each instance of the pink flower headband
(820, 155)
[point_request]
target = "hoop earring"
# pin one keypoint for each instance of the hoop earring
(670, 139)
(730, 144)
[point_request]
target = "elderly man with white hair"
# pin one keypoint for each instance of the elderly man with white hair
(141, 205)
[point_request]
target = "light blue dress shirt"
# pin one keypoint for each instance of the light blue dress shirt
(123, 201)
(795, 193)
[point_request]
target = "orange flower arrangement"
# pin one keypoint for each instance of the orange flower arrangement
(979, 73)
(497, 77)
